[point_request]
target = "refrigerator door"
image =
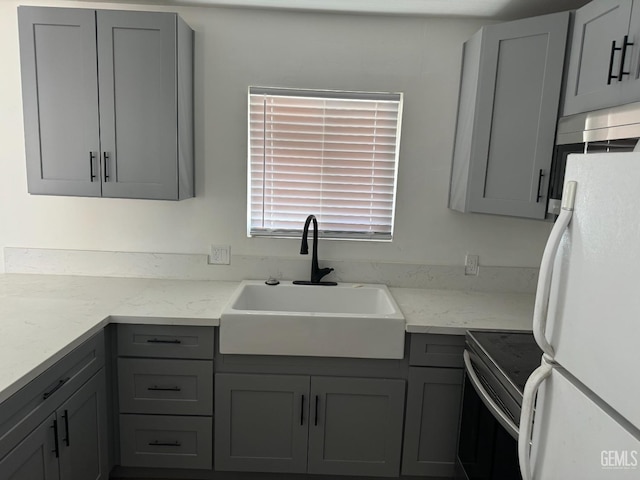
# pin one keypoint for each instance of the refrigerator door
(575, 436)
(593, 316)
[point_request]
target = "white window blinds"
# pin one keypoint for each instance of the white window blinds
(330, 154)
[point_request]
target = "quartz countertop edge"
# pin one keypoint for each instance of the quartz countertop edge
(44, 317)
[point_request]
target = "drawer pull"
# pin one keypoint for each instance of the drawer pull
(155, 388)
(156, 443)
(157, 340)
(55, 389)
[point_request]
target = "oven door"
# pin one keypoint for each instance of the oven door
(487, 445)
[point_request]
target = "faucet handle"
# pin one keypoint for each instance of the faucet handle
(321, 272)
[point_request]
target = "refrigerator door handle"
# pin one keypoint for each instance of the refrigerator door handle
(541, 306)
(526, 417)
(493, 407)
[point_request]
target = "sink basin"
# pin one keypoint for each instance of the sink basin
(348, 320)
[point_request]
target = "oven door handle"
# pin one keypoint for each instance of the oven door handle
(493, 407)
(543, 290)
(539, 375)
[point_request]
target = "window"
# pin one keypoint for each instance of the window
(330, 154)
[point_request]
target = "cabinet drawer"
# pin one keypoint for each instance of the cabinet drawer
(31, 405)
(179, 387)
(170, 341)
(431, 350)
(165, 441)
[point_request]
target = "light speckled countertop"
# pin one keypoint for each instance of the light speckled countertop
(44, 317)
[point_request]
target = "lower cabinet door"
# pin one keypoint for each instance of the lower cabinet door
(355, 426)
(431, 432)
(165, 441)
(82, 432)
(261, 422)
(35, 457)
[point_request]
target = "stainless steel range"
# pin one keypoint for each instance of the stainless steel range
(497, 366)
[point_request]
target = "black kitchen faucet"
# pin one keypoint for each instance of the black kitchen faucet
(316, 272)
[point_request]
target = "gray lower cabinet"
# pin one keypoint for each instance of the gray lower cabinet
(165, 396)
(82, 432)
(166, 441)
(34, 458)
(431, 425)
(356, 427)
(507, 114)
(76, 144)
(56, 426)
(314, 424)
(603, 68)
(262, 422)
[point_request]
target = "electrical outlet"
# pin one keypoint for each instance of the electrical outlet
(471, 265)
(220, 255)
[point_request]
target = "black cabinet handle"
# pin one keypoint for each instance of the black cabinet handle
(106, 166)
(55, 388)
(625, 43)
(302, 410)
(65, 415)
(157, 340)
(613, 52)
(156, 443)
(56, 448)
(315, 420)
(540, 176)
(155, 388)
(92, 157)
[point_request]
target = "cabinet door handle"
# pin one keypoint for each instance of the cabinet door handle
(155, 388)
(106, 166)
(56, 448)
(156, 443)
(625, 43)
(65, 415)
(92, 157)
(302, 410)
(540, 176)
(55, 388)
(613, 52)
(157, 340)
(315, 415)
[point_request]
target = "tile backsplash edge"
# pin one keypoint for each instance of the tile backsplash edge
(195, 267)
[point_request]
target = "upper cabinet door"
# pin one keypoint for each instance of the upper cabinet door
(631, 81)
(507, 114)
(137, 54)
(60, 99)
(596, 54)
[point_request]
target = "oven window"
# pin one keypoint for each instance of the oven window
(485, 450)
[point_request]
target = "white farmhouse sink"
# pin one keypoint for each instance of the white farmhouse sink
(347, 320)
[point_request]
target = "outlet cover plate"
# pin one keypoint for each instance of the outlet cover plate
(220, 255)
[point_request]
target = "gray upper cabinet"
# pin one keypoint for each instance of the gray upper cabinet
(507, 114)
(603, 68)
(133, 139)
(60, 100)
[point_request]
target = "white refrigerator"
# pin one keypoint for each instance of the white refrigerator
(581, 408)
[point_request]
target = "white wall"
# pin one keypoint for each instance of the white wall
(239, 47)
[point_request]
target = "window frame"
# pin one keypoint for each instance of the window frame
(397, 97)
